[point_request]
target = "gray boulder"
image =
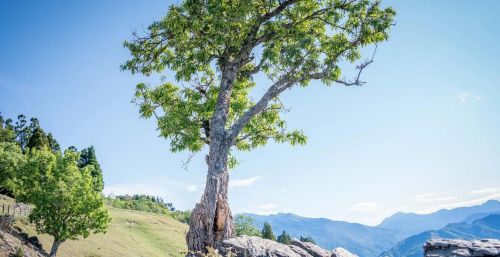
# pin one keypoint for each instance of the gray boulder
(462, 248)
(250, 246)
(311, 248)
(341, 252)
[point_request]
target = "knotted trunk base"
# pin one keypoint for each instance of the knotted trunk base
(211, 222)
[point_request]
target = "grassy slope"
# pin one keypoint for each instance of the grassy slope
(130, 234)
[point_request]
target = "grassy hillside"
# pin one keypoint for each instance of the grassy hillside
(130, 234)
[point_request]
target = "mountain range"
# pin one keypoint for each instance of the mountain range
(398, 235)
(487, 227)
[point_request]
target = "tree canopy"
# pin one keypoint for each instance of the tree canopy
(284, 238)
(66, 204)
(205, 42)
(267, 232)
(244, 226)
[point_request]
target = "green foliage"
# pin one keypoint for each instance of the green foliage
(11, 158)
(307, 239)
(138, 203)
(19, 252)
(182, 216)
(284, 238)
(267, 232)
(38, 139)
(289, 42)
(66, 205)
(88, 159)
(27, 134)
(7, 133)
(244, 226)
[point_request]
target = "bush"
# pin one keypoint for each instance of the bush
(19, 252)
(244, 226)
(307, 239)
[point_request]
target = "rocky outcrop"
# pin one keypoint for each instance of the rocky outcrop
(10, 243)
(249, 246)
(341, 252)
(462, 248)
(311, 248)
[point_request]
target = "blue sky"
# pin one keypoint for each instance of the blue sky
(422, 134)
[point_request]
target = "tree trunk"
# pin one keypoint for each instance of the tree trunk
(55, 246)
(211, 221)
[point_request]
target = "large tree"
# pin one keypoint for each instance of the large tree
(66, 204)
(214, 50)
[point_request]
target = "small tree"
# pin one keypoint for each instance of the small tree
(66, 205)
(284, 238)
(88, 157)
(307, 239)
(244, 226)
(267, 232)
(210, 54)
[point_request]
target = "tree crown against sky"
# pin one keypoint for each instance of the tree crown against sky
(290, 42)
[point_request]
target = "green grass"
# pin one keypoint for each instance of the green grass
(130, 234)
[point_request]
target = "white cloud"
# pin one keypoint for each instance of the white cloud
(243, 182)
(483, 191)
(283, 190)
(192, 188)
(432, 197)
(468, 97)
(364, 207)
(476, 201)
(267, 206)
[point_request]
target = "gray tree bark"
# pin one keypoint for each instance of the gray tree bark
(55, 247)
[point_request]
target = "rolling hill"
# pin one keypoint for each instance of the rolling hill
(130, 234)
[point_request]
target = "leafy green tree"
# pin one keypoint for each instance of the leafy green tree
(66, 204)
(267, 232)
(11, 158)
(307, 239)
(53, 144)
(38, 139)
(215, 49)
(284, 238)
(7, 133)
(88, 157)
(244, 226)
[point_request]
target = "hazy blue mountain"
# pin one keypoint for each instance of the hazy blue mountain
(411, 223)
(362, 240)
(486, 227)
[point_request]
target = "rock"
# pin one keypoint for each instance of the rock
(250, 246)
(341, 252)
(462, 248)
(311, 248)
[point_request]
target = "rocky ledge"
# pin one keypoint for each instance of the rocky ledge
(247, 246)
(462, 248)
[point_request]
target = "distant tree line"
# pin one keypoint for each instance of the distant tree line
(148, 203)
(64, 187)
(244, 225)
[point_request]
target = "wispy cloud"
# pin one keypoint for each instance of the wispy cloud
(243, 182)
(468, 97)
(364, 207)
(476, 201)
(267, 206)
(432, 197)
(483, 191)
(192, 188)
